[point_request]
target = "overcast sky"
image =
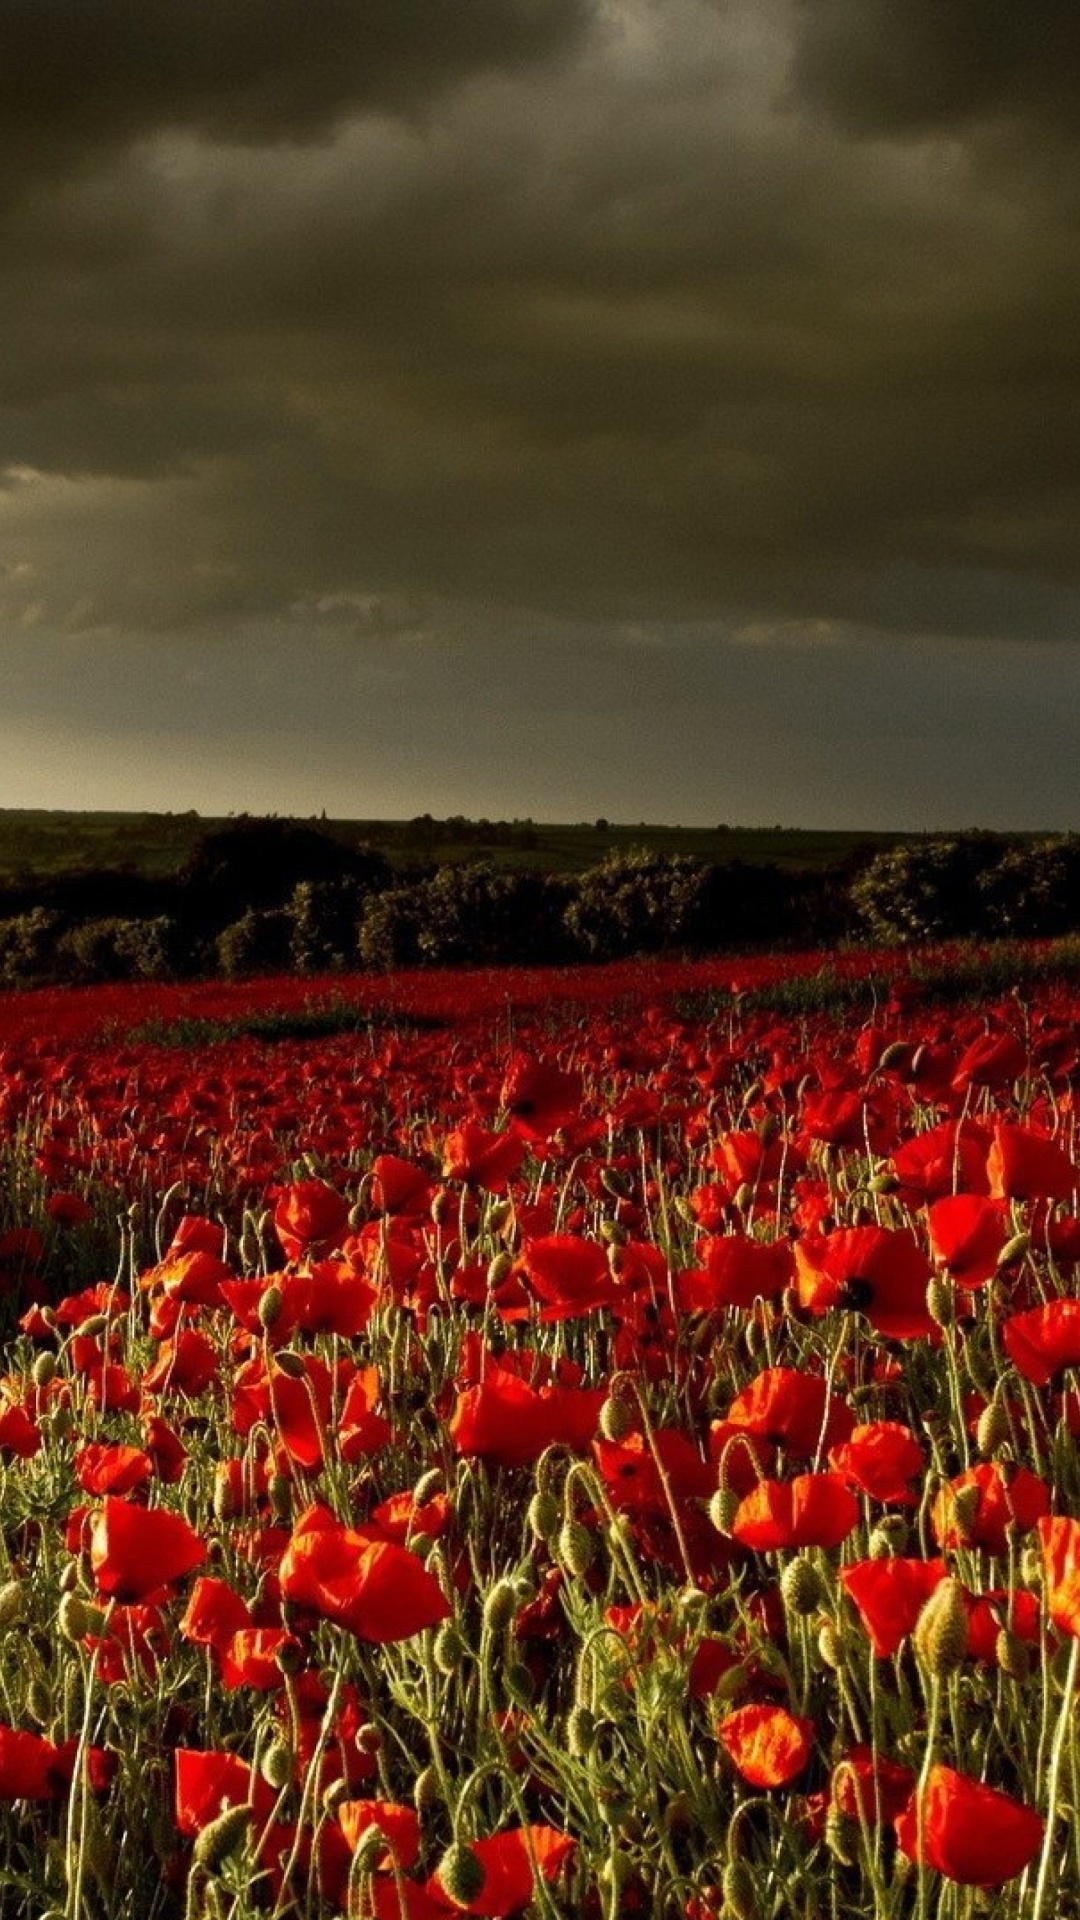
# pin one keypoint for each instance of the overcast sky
(667, 409)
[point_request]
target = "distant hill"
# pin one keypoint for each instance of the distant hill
(35, 842)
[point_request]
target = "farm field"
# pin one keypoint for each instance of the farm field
(593, 1442)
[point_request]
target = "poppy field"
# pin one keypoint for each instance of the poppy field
(592, 1444)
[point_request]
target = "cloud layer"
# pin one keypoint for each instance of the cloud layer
(581, 315)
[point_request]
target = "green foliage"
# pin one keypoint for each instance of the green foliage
(926, 891)
(117, 949)
(28, 943)
(258, 942)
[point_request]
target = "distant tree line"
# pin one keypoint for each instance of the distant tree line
(270, 895)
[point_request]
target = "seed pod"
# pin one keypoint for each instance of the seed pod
(72, 1617)
(831, 1646)
(290, 1363)
(581, 1731)
(739, 1891)
(723, 1507)
(276, 1765)
(544, 1515)
(449, 1649)
(461, 1875)
(270, 1307)
(941, 1632)
(500, 1605)
(616, 1418)
(500, 1267)
(14, 1604)
(801, 1586)
(941, 1300)
(993, 1427)
(1013, 1655)
(223, 1837)
(576, 1548)
(427, 1792)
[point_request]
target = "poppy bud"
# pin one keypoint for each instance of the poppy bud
(576, 1549)
(832, 1646)
(289, 1657)
(616, 1418)
(428, 1484)
(270, 1306)
(1013, 1655)
(426, 1790)
(461, 1875)
(889, 1537)
(892, 1055)
(1014, 1249)
(613, 1233)
(581, 1731)
(993, 1428)
(13, 1604)
(500, 1605)
(73, 1618)
(839, 1835)
(43, 1371)
(94, 1324)
(739, 1891)
(723, 1507)
(544, 1514)
(941, 1300)
(884, 1182)
(289, 1363)
(519, 1683)
(499, 1269)
(222, 1838)
(370, 1848)
(941, 1632)
(39, 1701)
(800, 1585)
(276, 1765)
(449, 1649)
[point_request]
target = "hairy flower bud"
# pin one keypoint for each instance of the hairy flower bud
(461, 1875)
(223, 1837)
(941, 1632)
(576, 1547)
(801, 1585)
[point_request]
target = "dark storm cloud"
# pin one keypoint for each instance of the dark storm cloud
(78, 76)
(762, 316)
(906, 67)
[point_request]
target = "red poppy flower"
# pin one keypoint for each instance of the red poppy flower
(769, 1746)
(540, 1097)
(33, 1768)
(1043, 1341)
(792, 1410)
(1024, 1165)
(970, 1832)
(507, 1421)
(362, 1429)
(880, 1459)
(977, 1508)
(991, 1060)
(869, 1787)
(481, 1158)
(19, 1434)
(507, 1862)
(1059, 1541)
(375, 1589)
(214, 1612)
(137, 1551)
(813, 1510)
(206, 1783)
(948, 1158)
(569, 1275)
(881, 1272)
(401, 1825)
(400, 1186)
(890, 1595)
(310, 1215)
(186, 1364)
(632, 1478)
(111, 1469)
(249, 1658)
(737, 1272)
(967, 1233)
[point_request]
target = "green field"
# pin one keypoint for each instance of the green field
(39, 842)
